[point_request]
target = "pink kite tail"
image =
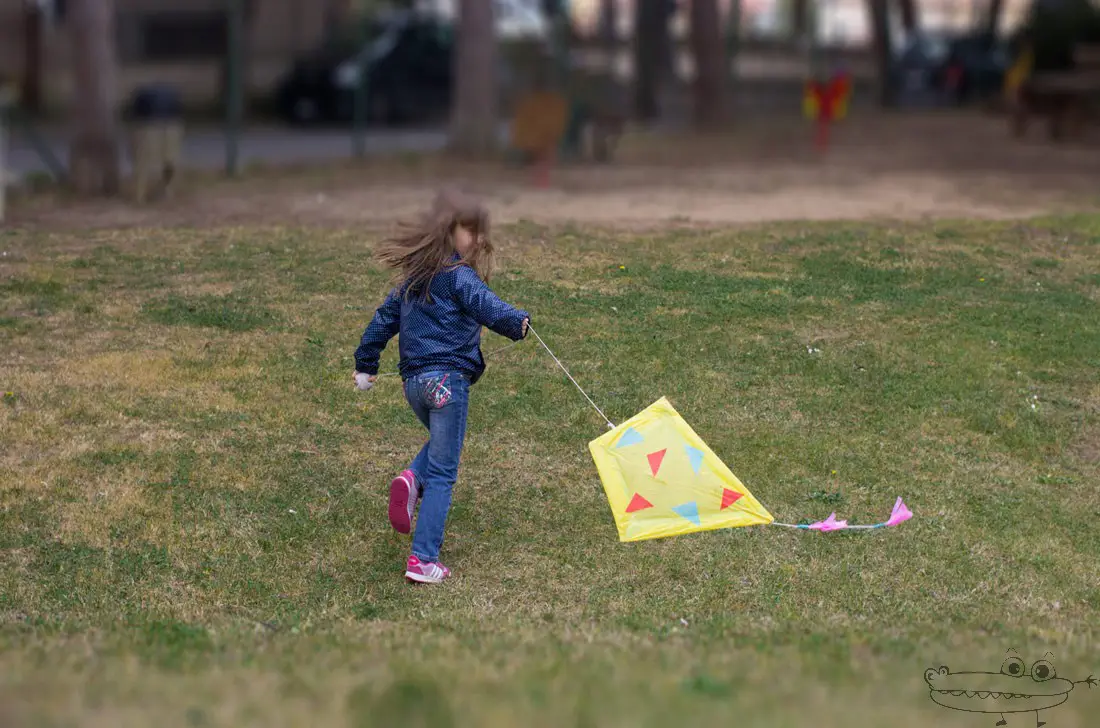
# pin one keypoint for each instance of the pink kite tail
(900, 514)
(829, 524)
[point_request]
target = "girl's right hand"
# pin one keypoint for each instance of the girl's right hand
(364, 381)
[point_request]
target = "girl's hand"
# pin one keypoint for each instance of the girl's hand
(525, 322)
(364, 381)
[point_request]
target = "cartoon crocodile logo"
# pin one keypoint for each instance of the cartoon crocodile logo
(1012, 690)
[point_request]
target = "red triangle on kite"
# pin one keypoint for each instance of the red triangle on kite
(655, 460)
(638, 503)
(729, 497)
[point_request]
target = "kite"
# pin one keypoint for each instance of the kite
(662, 480)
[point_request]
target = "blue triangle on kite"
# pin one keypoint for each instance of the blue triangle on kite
(689, 511)
(696, 458)
(630, 437)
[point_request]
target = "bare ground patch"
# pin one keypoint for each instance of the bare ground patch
(903, 167)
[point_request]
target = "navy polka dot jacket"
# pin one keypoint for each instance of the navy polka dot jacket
(443, 334)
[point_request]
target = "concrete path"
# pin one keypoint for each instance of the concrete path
(205, 147)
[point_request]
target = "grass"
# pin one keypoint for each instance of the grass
(192, 510)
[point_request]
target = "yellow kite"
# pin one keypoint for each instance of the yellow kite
(662, 480)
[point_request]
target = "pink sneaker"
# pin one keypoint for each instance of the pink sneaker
(403, 495)
(425, 573)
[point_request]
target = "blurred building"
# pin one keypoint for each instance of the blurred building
(175, 41)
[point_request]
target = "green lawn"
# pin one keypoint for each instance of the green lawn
(192, 495)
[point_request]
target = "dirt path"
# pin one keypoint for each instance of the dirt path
(942, 166)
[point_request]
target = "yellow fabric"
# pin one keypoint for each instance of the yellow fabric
(539, 122)
(678, 494)
(810, 106)
(1019, 73)
(841, 109)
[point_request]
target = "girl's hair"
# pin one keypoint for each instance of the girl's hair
(425, 248)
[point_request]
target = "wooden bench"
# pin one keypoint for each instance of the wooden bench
(1068, 98)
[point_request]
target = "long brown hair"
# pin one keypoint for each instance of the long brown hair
(423, 249)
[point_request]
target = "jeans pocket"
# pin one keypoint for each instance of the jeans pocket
(436, 392)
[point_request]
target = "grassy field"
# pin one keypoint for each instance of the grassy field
(192, 495)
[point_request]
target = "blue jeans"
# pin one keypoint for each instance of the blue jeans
(440, 401)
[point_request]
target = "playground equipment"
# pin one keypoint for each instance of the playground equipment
(538, 128)
(1067, 97)
(155, 136)
(825, 101)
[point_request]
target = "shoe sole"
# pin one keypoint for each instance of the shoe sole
(399, 505)
(421, 579)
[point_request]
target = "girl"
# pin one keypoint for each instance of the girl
(438, 305)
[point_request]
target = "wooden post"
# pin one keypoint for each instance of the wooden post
(5, 104)
(31, 94)
(821, 140)
(733, 40)
(543, 165)
(234, 98)
(3, 160)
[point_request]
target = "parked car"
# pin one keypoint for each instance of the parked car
(976, 67)
(515, 19)
(949, 68)
(408, 61)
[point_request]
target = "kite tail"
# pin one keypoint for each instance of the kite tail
(900, 514)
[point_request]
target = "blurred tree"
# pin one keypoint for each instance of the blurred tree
(993, 17)
(879, 14)
(608, 25)
(30, 95)
(910, 19)
(474, 114)
(648, 31)
(710, 60)
(94, 164)
(800, 17)
(1054, 28)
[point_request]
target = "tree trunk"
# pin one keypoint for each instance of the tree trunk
(879, 14)
(800, 20)
(30, 96)
(667, 71)
(709, 57)
(93, 159)
(474, 114)
(609, 26)
(993, 20)
(910, 20)
(647, 57)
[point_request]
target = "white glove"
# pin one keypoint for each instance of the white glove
(363, 381)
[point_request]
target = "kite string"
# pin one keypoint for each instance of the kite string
(610, 424)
